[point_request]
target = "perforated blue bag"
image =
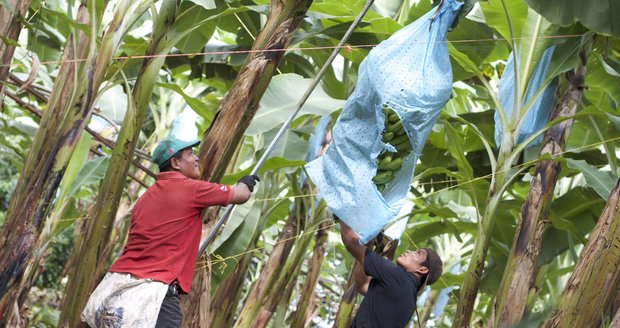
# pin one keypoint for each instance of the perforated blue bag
(538, 116)
(410, 72)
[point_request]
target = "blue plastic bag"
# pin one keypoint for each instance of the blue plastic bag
(538, 116)
(411, 73)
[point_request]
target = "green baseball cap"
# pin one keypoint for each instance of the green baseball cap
(170, 146)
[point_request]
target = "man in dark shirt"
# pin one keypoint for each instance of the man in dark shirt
(390, 290)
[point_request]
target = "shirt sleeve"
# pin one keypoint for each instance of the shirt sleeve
(378, 267)
(208, 194)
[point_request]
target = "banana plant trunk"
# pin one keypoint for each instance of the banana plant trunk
(93, 253)
(503, 174)
(594, 283)
(287, 274)
(520, 269)
(227, 296)
(11, 15)
(61, 127)
(344, 316)
(269, 274)
(279, 304)
(279, 318)
(471, 283)
(616, 321)
(426, 310)
(236, 111)
(306, 300)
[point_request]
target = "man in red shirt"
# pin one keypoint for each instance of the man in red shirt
(143, 285)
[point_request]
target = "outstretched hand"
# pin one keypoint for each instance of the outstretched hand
(249, 181)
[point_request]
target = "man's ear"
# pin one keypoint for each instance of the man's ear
(174, 163)
(422, 270)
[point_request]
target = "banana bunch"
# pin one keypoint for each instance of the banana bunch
(388, 163)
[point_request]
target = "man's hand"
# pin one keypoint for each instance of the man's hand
(249, 181)
(243, 190)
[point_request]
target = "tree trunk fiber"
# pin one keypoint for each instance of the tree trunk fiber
(225, 301)
(109, 143)
(520, 269)
(281, 300)
(68, 111)
(94, 253)
(227, 296)
(237, 109)
(241, 103)
(616, 321)
(269, 274)
(10, 27)
(344, 316)
(279, 317)
(426, 311)
(594, 283)
(287, 274)
(306, 298)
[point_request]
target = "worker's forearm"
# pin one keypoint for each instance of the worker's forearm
(361, 279)
(351, 242)
(348, 236)
(241, 194)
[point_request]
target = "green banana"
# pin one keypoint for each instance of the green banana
(384, 161)
(398, 140)
(392, 165)
(387, 136)
(399, 132)
(394, 127)
(383, 177)
(388, 162)
(404, 146)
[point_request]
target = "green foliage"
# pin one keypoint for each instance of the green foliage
(14, 142)
(55, 260)
(43, 305)
(8, 180)
(600, 181)
(234, 240)
(505, 20)
(280, 101)
(597, 15)
(456, 167)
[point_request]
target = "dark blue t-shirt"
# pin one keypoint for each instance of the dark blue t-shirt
(391, 296)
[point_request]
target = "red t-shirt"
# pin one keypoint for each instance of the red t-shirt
(166, 227)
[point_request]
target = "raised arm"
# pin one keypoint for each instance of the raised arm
(352, 242)
(361, 279)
